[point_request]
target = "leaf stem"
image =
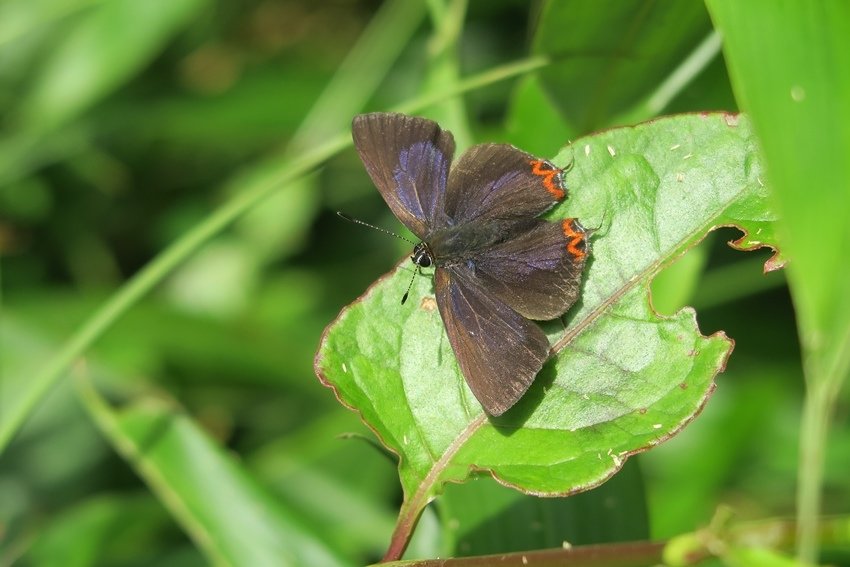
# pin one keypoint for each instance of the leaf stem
(408, 517)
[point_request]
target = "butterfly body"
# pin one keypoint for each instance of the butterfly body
(462, 243)
(497, 265)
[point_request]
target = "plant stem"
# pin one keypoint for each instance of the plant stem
(500, 73)
(408, 516)
(822, 390)
(813, 430)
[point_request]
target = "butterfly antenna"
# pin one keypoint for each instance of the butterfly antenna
(569, 167)
(358, 221)
(410, 285)
(591, 230)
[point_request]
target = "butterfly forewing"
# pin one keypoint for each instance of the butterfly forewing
(408, 159)
(498, 181)
(499, 351)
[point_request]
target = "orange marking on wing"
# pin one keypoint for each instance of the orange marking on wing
(548, 176)
(575, 238)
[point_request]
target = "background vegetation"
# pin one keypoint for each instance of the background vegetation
(188, 133)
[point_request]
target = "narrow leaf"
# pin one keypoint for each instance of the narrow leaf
(799, 100)
(227, 513)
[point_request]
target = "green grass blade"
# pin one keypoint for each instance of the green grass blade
(790, 67)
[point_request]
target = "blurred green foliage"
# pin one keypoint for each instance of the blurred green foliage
(124, 124)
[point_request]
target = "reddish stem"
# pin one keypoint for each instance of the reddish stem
(407, 518)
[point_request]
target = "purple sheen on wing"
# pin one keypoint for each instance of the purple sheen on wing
(495, 188)
(420, 177)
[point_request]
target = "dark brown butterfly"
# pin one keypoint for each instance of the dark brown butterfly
(498, 266)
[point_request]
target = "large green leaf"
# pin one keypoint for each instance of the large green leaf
(799, 99)
(621, 378)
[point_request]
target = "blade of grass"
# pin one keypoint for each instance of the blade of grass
(789, 62)
(183, 466)
(443, 70)
(700, 58)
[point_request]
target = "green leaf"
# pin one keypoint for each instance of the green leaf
(233, 519)
(622, 378)
(798, 98)
(610, 55)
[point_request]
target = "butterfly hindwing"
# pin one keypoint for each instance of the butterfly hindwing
(538, 271)
(498, 350)
(408, 159)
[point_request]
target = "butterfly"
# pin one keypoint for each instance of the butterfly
(497, 265)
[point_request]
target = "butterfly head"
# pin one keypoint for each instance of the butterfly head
(422, 255)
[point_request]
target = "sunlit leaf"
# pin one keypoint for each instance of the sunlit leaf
(621, 379)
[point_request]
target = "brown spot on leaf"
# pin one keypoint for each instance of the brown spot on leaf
(428, 304)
